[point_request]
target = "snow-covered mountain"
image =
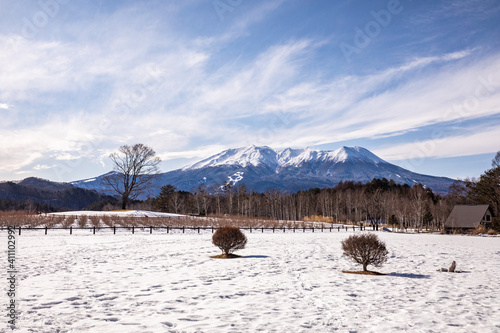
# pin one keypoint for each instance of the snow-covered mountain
(263, 168)
(278, 160)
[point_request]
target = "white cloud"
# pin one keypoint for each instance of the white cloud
(43, 167)
(4, 106)
(482, 142)
(365, 107)
(238, 92)
(58, 139)
(200, 152)
(65, 156)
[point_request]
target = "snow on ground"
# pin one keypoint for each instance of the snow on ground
(120, 213)
(286, 282)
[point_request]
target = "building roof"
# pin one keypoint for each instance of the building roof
(464, 216)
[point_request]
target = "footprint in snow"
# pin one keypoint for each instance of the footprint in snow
(71, 299)
(168, 324)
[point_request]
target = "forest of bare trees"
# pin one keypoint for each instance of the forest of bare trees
(380, 201)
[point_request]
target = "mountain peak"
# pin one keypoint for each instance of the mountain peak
(244, 156)
(356, 153)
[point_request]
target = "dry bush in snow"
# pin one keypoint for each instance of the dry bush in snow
(51, 221)
(82, 221)
(68, 221)
(229, 239)
(365, 249)
(95, 220)
(107, 220)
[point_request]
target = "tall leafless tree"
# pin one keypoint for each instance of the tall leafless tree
(135, 168)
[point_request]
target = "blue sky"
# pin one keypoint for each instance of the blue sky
(415, 82)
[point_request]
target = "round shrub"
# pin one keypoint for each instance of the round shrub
(365, 249)
(229, 239)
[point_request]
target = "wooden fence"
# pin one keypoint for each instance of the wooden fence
(168, 229)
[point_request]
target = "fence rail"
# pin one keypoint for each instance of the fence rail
(133, 229)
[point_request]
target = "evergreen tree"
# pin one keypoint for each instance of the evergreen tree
(486, 190)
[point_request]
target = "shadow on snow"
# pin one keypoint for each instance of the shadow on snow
(254, 256)
(410, 275)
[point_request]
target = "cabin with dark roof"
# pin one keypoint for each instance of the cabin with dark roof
(467, 218)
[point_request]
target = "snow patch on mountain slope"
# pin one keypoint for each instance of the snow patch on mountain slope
(236, 177)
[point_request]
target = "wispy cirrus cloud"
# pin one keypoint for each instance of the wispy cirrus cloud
(360, 107)
(450, 146)
(140, 74)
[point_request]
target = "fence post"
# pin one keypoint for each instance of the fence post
(133, 230)
(114, 230)
(70, 230)
(168, 229)
(198, 229)
(212, 229)
(45, 230)
(250, 229)
(19, 231)
(183, 227)
(94, 230)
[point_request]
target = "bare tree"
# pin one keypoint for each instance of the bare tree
(135, 168)
(418, 202)
(203, 195)
(365, 249)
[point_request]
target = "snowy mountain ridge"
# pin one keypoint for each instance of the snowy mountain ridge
(277, 159)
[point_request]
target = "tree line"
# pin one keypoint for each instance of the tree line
(376, 202)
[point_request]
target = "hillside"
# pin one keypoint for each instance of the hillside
(62, 195)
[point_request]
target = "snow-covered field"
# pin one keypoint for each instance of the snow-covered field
(286, 282)
(120, 213)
